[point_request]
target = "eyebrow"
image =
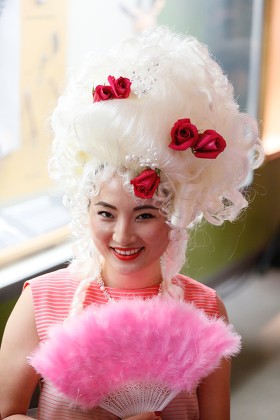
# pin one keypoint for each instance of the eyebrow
(143, 207)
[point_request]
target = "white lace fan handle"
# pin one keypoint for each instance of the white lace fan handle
(137, 398)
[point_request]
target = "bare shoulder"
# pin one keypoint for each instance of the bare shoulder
(21, 323)
(17, 377)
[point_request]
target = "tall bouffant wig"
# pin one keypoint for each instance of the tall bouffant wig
(172, 77)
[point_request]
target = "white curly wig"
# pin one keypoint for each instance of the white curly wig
(173, 77)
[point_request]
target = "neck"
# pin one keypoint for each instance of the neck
(139, 280)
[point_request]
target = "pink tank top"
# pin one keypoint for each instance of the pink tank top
(52, 296)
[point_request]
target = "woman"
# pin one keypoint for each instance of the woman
(159, 146)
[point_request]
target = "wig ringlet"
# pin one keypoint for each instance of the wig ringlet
(92, 140)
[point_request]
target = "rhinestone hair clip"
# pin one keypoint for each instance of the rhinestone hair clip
(143, 81)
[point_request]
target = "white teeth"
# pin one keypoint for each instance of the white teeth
(131, 252)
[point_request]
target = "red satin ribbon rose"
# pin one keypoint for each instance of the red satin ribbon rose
(209, 145)
(117, 89)
(146, 183)
(184, 134)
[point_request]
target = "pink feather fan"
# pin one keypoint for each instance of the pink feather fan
(133, 356)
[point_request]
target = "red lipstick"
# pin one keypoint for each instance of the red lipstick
(127, 254)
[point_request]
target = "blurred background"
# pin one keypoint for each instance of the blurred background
(41, 43)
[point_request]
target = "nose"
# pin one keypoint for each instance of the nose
(124, 232)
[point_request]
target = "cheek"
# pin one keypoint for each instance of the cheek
(159, 237)
(98, 233)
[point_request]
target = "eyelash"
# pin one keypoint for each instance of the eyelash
(105, 214)
(142, 216)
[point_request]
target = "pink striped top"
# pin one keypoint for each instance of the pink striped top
(52, 296)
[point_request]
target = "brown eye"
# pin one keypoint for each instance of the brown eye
(105, 214)
(145, 216)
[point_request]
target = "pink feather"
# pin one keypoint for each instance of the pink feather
(154, 341)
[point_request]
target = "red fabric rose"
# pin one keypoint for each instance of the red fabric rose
(146, 183)
(120, 86)
(117, 89)
(183, 134)
(209, 145)
(102, 93)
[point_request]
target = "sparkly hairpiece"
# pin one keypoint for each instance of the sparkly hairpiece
(149, 161)
(143, 81)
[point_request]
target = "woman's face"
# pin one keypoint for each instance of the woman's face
(131, 235)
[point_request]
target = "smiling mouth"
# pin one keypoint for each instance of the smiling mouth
(127, 254)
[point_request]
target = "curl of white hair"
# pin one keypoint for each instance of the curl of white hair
(179, 79)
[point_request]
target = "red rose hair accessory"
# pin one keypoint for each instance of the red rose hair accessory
(146, 183)
(206, 145)
(209, 145)
(183, 134)
(117, 89)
